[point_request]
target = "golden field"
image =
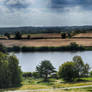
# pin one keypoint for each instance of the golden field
(40, 40)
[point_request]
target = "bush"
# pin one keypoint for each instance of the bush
(27, 74)
(54, 75)
(3, 48)
(90, 73)
(35, 75)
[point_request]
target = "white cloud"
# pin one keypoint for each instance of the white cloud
(38, 14)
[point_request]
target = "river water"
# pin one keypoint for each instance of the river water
(28, 61)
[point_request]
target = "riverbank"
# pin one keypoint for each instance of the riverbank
(55, 85)
(72, 47)
(47, 45)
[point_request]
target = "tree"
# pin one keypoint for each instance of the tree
(86, 70)
(10, 72)
(69, 35)
(67, 71)
(15, 71)
(4, 78)
(45, 69)
(90, 73)
(18, 35)
(7, 35)
(3, 48)
(28, 36)
(79, 65)
(63, 35)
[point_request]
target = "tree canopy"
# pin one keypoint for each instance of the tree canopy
(10, 72)
(45, 69)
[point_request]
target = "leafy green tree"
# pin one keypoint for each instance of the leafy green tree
(3, 71)
(67, 71)
(45, 69)
(86, 70)
(90, 73)
(79, 65)
(10, 72)
(15, 71)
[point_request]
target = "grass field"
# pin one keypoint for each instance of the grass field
(35, 84)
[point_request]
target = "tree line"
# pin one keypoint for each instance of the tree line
(68, 71)
(11, 74)
(19, 35)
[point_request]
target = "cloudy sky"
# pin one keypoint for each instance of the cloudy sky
(45, 13)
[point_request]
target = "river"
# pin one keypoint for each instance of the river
(28, 61)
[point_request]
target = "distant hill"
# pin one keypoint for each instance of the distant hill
(45, 29)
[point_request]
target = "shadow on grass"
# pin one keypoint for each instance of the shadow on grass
(11, 88)
(75, 81)
(46, 82)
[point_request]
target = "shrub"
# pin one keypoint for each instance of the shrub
(3, 48)
(27, 74)
(35, 75)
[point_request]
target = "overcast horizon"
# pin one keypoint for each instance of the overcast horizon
(18, 13)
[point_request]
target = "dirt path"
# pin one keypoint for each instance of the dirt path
(39, 90)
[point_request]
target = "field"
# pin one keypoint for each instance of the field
(40, 40)
(83, 35)
(46, 42)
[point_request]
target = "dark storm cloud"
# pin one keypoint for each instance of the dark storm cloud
(16, 4)
(85, 4)
(53, 4)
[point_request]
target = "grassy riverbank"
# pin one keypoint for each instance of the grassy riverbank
(71, 47)
(46, 49)
(35, 84)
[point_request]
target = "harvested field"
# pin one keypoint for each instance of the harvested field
(83, 35)
(46, 42)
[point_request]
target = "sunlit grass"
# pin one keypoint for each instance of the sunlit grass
(32, 84)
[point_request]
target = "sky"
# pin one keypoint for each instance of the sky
(16, 13)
